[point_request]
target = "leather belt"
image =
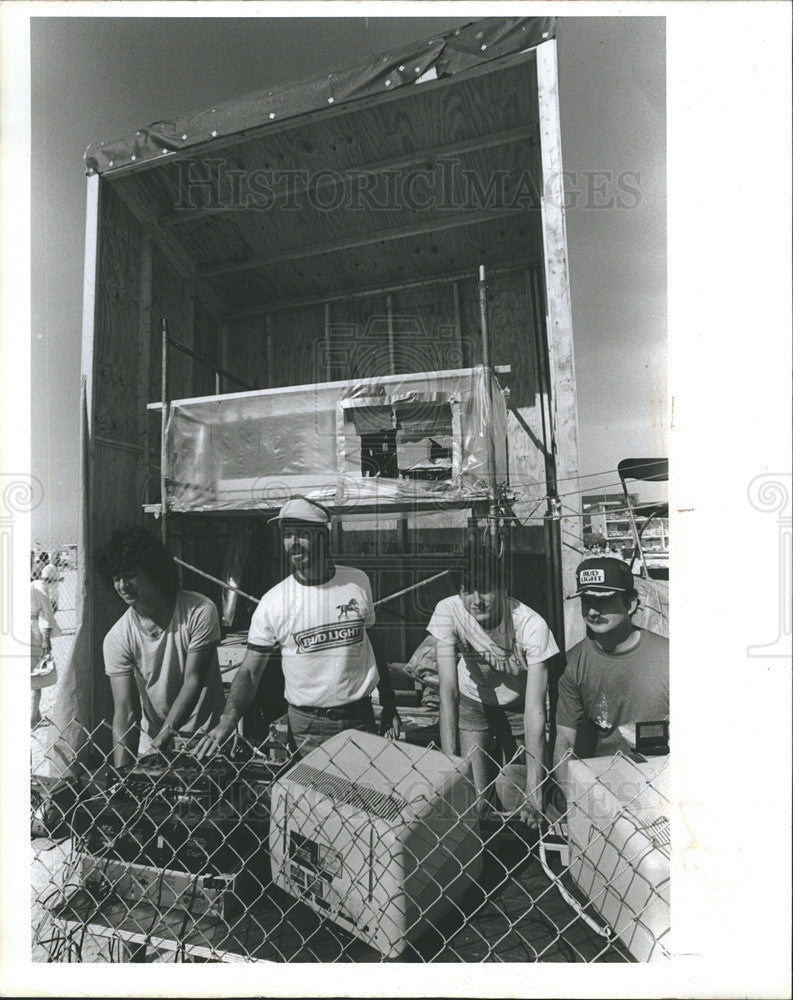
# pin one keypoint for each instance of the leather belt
(335, 712)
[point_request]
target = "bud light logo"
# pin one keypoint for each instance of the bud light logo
(329, 636)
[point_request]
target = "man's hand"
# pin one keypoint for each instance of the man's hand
(511, 665)
(163, 741)
(390, 723)
(211, 742)
(531, 812)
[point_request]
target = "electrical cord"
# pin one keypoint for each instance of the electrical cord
(603, 931)
(521, 497)
(182, 943)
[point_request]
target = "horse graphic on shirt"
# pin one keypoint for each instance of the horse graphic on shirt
(351, 607)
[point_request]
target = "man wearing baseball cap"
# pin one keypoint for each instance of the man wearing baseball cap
(319, 616)
(619, 674)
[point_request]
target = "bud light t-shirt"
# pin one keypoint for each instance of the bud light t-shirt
(326, 655)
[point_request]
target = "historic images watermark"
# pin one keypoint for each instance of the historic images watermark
(19, 494)
(770, 493)
(219, 185)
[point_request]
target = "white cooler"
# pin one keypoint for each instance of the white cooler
(618, 831)
(377, 835)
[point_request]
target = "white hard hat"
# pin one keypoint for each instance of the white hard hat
(300, 509)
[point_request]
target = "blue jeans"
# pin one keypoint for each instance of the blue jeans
(309, 728)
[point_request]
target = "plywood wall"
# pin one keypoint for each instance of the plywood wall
(206, 342)
(424, 330)
(359, 338)
(246, 353)
(115, 420)
(172, 301)
(115, 396)
(296, 346)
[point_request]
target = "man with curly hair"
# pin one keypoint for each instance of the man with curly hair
(161, 655)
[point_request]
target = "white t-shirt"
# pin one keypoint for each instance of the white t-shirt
(157, 659)
(41, 613)
(326, 655)
(522, 636)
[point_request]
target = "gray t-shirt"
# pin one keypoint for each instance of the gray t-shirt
(157, 659)
(608, 690)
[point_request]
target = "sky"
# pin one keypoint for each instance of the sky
(102, 78)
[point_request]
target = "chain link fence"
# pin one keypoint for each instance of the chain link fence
(362, 850)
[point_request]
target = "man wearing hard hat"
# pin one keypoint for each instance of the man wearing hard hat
(319, 616)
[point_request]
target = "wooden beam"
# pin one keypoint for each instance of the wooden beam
(458, 326)
(189, 327)
(328, 372)
(534, 290)
(208, 297)
(131, 191)
(389, 308)
(365, 239)
(372, 291)
(268, 347)
(120, 445)
(336, 179)
(357, 383)
(362, 511)
(163, 429)
(90, 282)
(144, 356)
(223, 347)
(559, 321)
(89, 684)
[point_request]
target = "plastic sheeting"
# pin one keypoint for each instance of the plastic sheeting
(389, 441)
(445, 55)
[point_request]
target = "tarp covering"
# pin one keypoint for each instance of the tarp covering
(441, 56)
(393, 440)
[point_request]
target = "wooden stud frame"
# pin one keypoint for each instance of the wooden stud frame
(559, 323)
(87, 364)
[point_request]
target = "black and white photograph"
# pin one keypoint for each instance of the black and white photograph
(386, 430)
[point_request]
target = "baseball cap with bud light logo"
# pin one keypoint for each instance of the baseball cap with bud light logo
(602, 576)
